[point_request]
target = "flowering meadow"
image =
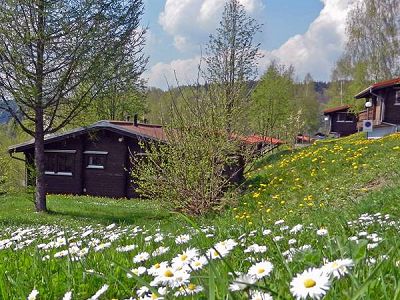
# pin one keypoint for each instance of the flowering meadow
(318, 223)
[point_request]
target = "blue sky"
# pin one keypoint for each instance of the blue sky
(309, 34)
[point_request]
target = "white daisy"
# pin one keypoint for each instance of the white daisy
(258, 295)
(338, 268)
(185, 257)
(136, 271)
(100, 292)
(67, 296)
(190, 289)
(322, 232)
(261, 269)
(313, 283)
(198, 263)
(140, 257)
(242, 282)
(182, 239)
(156, 268)
(33, 294)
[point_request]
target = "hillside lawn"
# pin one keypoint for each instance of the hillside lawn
(326, 186)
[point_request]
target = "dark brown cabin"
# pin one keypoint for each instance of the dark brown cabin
(384, 112)
(341, 121)
(93, 160)
(96, 160)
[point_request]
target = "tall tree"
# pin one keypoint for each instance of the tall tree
(308, 103)
(232, 56)
(273, 104)
(56, 56)
(373, 32)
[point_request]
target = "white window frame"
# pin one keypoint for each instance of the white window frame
(338, 121)
(96, 167)
(58, 173)
(59, 151)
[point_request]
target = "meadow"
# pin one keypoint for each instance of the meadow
(321, 222)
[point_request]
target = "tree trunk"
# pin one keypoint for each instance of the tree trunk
(40, 198)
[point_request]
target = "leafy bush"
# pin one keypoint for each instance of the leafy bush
(195, 169)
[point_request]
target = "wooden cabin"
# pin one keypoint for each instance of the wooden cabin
(96, 160)
(384, 112)
(93, 160)
(340, 121)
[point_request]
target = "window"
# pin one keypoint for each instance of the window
(397, 98)
(345, 117)
(95, 159)
(59, 162)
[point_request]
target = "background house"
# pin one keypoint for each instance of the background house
(340, 121)
(384, 97)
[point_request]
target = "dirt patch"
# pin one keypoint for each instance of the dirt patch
(376, 184)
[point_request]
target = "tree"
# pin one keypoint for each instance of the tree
(273, 101)
(308, 103)
(373, 38)
(232, 56)
(194, 171)
(56, 56)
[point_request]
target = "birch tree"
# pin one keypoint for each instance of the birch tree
(56, 56)
(232, 57)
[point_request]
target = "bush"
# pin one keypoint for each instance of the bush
(194, 172)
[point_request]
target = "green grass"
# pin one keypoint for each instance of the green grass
(327, 185)
(18, 209)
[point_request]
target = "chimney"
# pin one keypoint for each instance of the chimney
(135, 120)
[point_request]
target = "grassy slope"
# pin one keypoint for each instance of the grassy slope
(326, 184)
(336, 178)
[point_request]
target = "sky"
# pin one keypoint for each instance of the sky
(308, 34)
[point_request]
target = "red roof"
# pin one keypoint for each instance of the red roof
(256, 139)
(157, 132)
(376, 86)
(150, 130)
(336, 109)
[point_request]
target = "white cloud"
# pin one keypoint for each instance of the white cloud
(193, 20)
(316, 50)
(162, 75)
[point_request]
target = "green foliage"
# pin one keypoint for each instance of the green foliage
(12, 171)
(192, 171)
(282, 108)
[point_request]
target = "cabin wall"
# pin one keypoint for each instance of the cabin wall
(392, 111)
(110, 181)
(114, 180)
(133, 149)
(60, 184)
(343, 128)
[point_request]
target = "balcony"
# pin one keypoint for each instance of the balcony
(364, 115)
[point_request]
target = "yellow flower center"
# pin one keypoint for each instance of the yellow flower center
(184, 257)
(309, 283)
(197, 263)
(157, 266)
(154, 296)
(192, 286)
(260, 270)
(168, 273)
